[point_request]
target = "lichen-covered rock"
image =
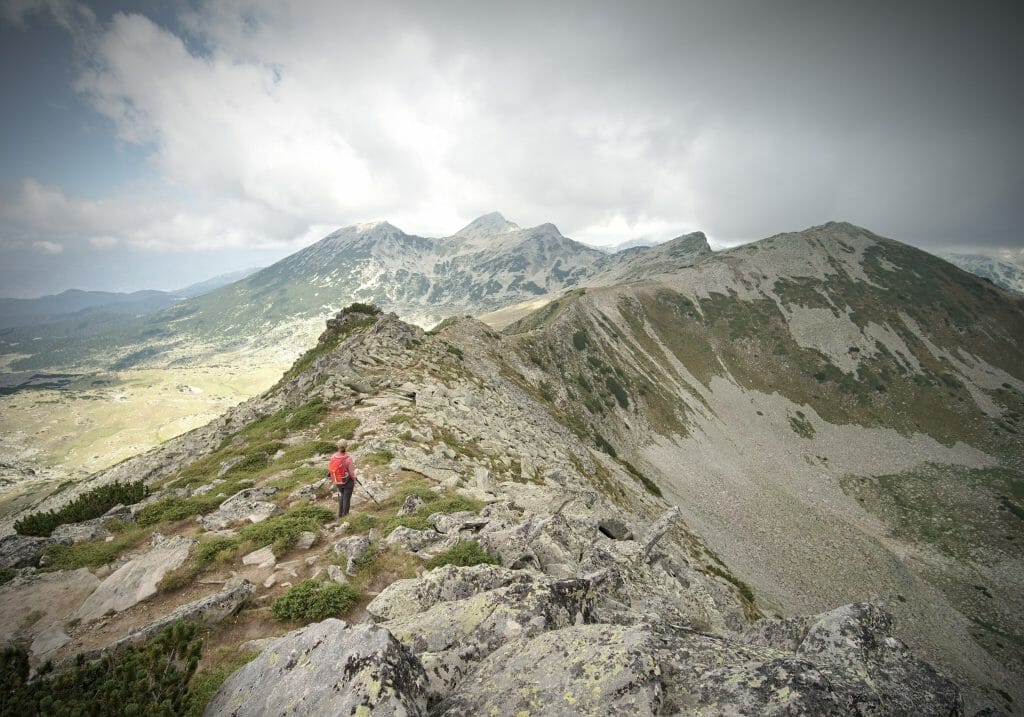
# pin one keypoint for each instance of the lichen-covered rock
(451, 635)
(80, 532)
(581, 670)
(411, 506)
(327, 668)
(444, 584)
(846, 662)
(352, 548)
(136, 580)
(23, 551)
(857, 641)
(413, 540)
(453, 523)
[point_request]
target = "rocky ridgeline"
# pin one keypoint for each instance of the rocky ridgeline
(604, 602)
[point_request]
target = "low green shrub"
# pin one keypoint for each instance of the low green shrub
(464, 554)
(174, 507)
(7, 575)
(89, 505)
(148, 680)
(91, 553)
(282, 532)
(312, 601)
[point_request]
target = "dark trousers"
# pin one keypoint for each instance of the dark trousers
(344, 496)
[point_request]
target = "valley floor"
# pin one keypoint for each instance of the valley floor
(48, 436)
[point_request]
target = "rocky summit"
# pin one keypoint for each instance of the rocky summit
(782, 479)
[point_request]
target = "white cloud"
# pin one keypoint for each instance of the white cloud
(267, 123)
(48, 247)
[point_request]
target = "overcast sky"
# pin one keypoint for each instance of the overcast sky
(151, 144)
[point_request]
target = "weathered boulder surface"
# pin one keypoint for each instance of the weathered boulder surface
(136, 580)
(327, 668)
(245, 505)
(449, 636)
(445, 584)
(413, 540)
(23, 551)
(581, 670)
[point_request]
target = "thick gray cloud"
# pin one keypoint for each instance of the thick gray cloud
(265, 124)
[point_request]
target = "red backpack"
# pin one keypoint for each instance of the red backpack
(338, 468)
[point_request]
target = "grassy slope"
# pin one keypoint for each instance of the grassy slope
(629, 366)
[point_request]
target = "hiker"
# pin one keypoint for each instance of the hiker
(342, 472)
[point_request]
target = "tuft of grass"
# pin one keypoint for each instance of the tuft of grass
(7, 575)
(362, 523)
(282, 531)
(379, 568)
(379, 458)
(463, 555)
(205, 683)
(300, 476)
(342, 429)
(312, 601)
(400, 418)
(801, 426)
(91, 553)
(416, 522)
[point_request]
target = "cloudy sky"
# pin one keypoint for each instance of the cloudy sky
(150, 144)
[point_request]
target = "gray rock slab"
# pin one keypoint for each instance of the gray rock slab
(136, 580)
(327, 668)
(79, 532)
(582, 670)
(38, 601)
(264, 558)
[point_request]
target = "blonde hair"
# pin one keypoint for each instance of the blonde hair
(343, 446)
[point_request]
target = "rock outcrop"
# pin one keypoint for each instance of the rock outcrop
(136, 580)
(328, 668)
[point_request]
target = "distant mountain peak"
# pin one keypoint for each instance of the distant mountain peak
(493, 223)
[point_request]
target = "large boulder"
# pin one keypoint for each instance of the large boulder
(450, 636)
(580, 670)
(23, 551)
(871, 667)
(136, 580)
(444, 584)
(327, 668)
(244, 506)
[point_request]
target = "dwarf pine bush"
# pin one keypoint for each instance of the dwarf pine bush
(89, 505)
